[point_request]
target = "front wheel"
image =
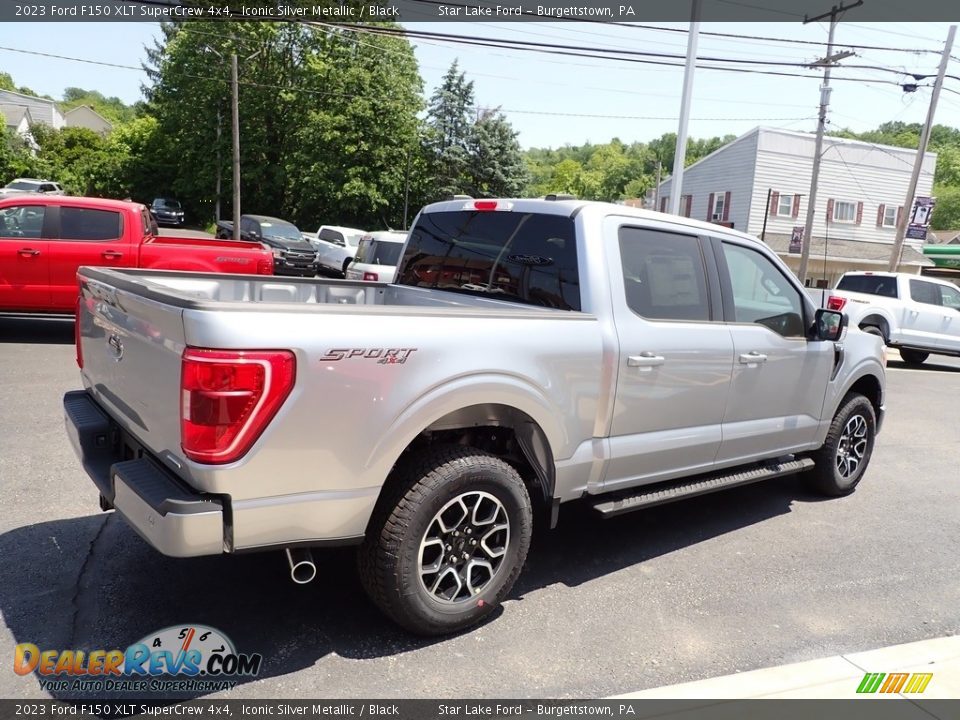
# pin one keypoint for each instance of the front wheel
(447, 542)
(913, 357)
(844, 456)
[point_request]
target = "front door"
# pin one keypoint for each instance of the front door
(779, 376)
(24, 259)
(922, 315)
(675, 357)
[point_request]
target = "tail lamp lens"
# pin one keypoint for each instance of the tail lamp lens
(371, 276)
(836, 303)
(227, 399)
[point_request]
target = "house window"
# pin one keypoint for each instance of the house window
(889, 216)
(844, 212)
(716, 212)
(785, 205)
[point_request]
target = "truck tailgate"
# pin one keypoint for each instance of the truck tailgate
(131, 348)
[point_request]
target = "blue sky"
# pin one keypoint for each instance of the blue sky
(553, 100)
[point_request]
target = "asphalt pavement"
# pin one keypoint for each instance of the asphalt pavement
(754, 577)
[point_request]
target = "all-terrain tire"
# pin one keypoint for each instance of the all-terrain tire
(843, 458)
(404, 530)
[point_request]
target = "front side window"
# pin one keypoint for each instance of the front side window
(761, 293)
(844, 212)
(785, 205)
(89, 224)
(925, 292)
(889, 216)
(522, 257)
(950, 297)
(22, 221)
(663, 275)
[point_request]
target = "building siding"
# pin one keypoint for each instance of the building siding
(727, 170)
(41, 110)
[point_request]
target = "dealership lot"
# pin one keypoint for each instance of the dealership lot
(753, 577)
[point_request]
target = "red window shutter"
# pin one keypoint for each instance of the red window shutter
(689, 206)
(859, 212)
(710, 207)
(796, 206)
(880, 210)
(726, 206)
(829, 211)
(774, 200)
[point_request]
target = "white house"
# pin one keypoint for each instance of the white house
(87, 117)
(764, 176)
(17, 119)
(42, 111)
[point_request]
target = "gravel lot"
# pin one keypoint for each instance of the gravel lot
(753, 577)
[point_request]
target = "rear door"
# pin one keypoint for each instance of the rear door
(24, 258)
(676, 355)
(86, 236)
(779, 376)
(923, 315)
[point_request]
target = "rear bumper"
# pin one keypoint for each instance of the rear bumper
(174, 519)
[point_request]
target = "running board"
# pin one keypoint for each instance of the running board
(609, 506)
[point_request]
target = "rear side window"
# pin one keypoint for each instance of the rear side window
(869, 284)
(88, 224)
(523, 257)
(663, 275)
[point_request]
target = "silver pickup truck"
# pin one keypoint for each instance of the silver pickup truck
(529, 353)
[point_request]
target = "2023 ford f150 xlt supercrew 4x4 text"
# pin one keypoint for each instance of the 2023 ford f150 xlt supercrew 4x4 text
(529, 353)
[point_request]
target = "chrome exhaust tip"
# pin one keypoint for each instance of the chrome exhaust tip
(302, 567)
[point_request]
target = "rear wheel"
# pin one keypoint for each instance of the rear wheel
(346, 264)
(913, 357)
(845, 454)
(445, 546)
(874, 330)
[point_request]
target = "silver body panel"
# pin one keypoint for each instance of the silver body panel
(316, 471)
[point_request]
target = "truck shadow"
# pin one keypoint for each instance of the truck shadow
(91, 583)
(931, 365)
(36, 330)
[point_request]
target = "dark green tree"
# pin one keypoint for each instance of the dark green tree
(449, 127)
(495, 162)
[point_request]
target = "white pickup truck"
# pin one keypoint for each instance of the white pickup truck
(917, 315)
(530, 353)
(336, 247)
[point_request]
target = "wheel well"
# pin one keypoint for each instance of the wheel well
(877, 321)
(502, 431)
(869, 387)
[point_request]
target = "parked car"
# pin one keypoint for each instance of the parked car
(22, 186)
(377, 257)
(45, 238)
(336, 247)
(560, 351)
(167, 211)
(918, 316)
(292, 255)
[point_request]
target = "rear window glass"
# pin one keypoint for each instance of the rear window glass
(380, 253)
(869, 284)
(522, 257)
(88, 224)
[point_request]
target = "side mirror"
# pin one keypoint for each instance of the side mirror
(828, 324)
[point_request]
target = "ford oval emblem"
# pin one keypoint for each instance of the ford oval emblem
(116, 347)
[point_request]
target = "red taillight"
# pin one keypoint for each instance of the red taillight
(371, 276)
(485, 205)
(76, 334)
(228, 397)
(265, 267)
(836, 303)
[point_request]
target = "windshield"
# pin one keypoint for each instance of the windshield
(524, 257)
(280, 231)
(23, 185)
(167, 204)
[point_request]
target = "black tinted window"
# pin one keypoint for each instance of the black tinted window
(523, 257)
(87, 224)
(383, 253)
(663, 275)
(925, 292)
(869, 284)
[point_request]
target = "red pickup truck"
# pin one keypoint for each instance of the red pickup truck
(44, 239)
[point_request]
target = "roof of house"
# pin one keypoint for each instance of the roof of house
(870, 253)
(88, 109)
(14, 114)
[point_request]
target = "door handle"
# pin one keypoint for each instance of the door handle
(111, 254)
(645, 359)
(28, 252)
(752, 358)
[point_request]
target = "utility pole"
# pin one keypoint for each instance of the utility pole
(921, 151)
(680, 155)
(406, 191)
(827, 62)
(216, 211)
(656, 188)
(235, 85)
